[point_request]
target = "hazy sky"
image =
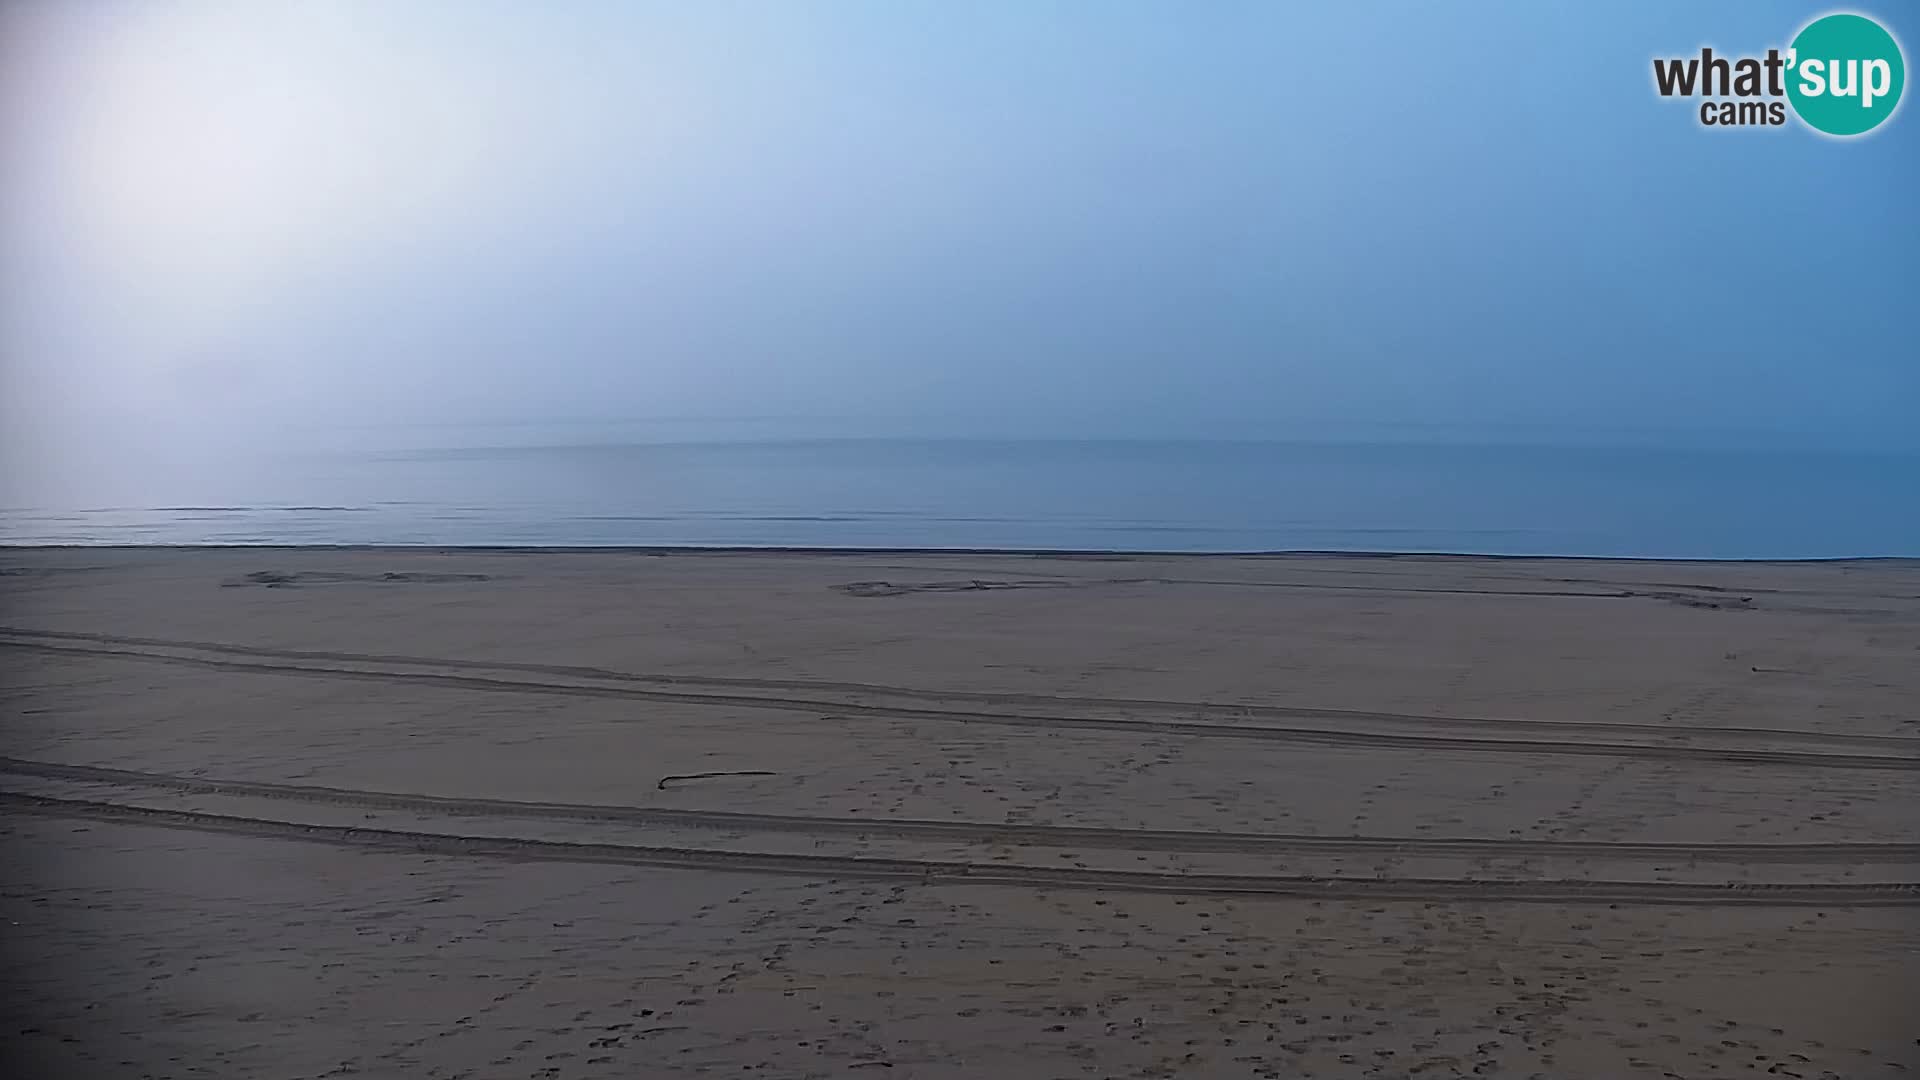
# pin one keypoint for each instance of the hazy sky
(247, 220)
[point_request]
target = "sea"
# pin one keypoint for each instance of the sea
(1166, 495)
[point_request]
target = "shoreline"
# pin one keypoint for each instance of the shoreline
(1088, 554)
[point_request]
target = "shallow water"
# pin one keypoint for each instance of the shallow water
(1142, 495)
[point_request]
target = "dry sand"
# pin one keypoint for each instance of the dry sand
(279, 813)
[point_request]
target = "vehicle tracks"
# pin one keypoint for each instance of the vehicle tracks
(1052, 836)
(939, 872)
(903, 693)
(374, 668)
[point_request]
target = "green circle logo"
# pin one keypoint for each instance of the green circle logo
(1845, 74)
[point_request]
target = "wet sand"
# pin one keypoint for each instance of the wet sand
(302, 813)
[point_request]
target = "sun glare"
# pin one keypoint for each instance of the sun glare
(217, 153)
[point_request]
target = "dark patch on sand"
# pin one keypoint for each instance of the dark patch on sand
(278, 579)
(1718, 602)
(902, 588)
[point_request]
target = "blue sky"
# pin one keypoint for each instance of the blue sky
(248, 222)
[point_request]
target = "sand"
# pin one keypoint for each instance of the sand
(375, 813)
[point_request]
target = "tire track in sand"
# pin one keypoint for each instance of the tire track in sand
(830, 709)
(1838, 741)
(1060, 836)
(938, 872)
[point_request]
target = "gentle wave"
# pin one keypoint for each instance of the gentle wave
(1144, 497)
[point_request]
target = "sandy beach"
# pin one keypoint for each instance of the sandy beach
(278, 813)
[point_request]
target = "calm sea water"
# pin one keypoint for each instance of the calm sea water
(1166, 496)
